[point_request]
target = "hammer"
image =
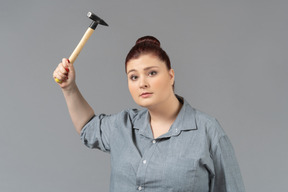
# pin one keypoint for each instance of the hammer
(86, 36)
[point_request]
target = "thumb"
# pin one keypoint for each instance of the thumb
(65, 63)
(71, 71)
(70, 67)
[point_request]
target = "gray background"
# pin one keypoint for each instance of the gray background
(230, 59)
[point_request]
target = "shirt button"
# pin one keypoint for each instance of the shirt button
(140, 188)
(154, 141)
(144, 161)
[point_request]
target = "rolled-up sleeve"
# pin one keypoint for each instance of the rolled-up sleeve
(227, 172)
(96, 133)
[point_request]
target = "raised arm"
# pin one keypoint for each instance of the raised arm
(80, 111)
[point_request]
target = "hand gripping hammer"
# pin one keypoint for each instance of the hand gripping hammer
(86, 36)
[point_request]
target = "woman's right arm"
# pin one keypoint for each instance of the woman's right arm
(80, 111)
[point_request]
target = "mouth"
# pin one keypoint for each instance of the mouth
(146, 94)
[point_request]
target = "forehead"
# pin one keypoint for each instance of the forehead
(144, 61)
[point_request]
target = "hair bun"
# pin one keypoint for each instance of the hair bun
(149, 40)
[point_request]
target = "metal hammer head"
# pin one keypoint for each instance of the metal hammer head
(96, 20)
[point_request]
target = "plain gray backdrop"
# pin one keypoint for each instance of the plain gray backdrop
(230, 59)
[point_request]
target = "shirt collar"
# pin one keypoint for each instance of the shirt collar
(142, 122)
(185, 121)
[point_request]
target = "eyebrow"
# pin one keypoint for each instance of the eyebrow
(145, 69)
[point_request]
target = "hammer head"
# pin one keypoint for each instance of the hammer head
(96, 20)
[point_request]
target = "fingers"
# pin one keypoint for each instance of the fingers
(62, 70)
(65, 62)
(67, 65)
(60, 76)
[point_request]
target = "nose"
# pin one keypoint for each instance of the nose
(143, 83)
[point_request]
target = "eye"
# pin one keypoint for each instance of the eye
(133, 77)
(152, 73)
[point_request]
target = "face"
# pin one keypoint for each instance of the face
(149, 81)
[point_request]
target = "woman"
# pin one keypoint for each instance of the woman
(168, 145)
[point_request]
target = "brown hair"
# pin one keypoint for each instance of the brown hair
(148, 45)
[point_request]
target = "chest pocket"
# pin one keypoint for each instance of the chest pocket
(179, 174)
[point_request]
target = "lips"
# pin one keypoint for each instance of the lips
(146, 94)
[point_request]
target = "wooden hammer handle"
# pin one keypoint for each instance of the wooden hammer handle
(80, 45)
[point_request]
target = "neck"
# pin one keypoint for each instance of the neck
(166, 111)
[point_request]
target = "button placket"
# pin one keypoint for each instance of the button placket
(144, 164)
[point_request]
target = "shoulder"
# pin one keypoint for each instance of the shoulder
(211, 128)
(205, 123)
(205, 119)
(209, 123)
(200, 119)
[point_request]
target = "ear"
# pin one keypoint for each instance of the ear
(172, 76)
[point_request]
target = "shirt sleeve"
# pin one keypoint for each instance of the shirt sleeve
(227, 172)
(97, 132)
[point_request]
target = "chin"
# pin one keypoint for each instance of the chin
(145, 103)
(149, 105)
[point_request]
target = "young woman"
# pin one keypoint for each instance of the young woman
(168, 145)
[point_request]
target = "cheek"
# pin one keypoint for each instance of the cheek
(132, 88)
(157, 84)
(161, 84)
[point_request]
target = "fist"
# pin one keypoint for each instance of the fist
(64, 74)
